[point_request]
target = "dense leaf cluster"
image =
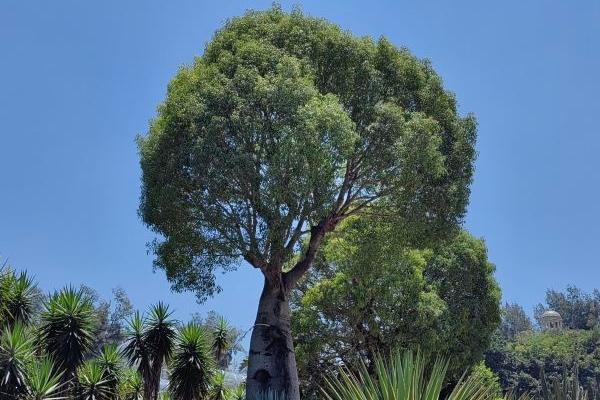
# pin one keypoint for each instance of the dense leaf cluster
(370, 294)
(285, 126)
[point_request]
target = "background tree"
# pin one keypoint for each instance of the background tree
(110, 316)
(579, 310)
(514, 321)
(284, 127)
(522, 363)
(369, 294)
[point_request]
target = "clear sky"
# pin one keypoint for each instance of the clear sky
(80, 79)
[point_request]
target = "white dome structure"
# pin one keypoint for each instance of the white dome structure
(551, 320)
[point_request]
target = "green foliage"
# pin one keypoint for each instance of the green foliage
(403, 377)
(239, 393)
(159, 338)
(16, 352)
(218, 389)
(66, 331)
(18, 297)
(227, 338)
(369, 294)
(92, 383)
(43, 381)
(135, 349)
(111, 362)
(191, 369)
(488, 378)
(565, 387)
(149, 344)
(110, 316)
(131, 386)
(522, 364)
(288, 123)
(221, 343)
(579, 310)
(514, 321)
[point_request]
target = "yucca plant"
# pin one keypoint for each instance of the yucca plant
(110, 361)
(164, 396)
(137, 351)
(91, 382)
(43, 382)
(159, 337)
(218, 389)
(404, 376)
(19, 299)
(239, 393)
(131, 386)
(66, 331)
(16, 351)
(191, 368)
(221, 343)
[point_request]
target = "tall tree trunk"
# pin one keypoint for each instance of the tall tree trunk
(272, 362)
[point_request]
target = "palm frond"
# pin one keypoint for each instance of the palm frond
(403, 376)
(191, 368)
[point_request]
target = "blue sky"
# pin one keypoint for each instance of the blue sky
(79, 80)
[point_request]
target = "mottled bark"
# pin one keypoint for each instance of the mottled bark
(272, 362)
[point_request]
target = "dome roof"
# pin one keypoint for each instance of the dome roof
(550, 313)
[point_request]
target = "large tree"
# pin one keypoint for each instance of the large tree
(368, 294)
(284, 127)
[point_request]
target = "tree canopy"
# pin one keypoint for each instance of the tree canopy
(370, 294)
(285, 126)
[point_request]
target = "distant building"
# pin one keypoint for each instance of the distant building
(551, 320)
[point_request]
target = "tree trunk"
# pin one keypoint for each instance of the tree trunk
(272, 362)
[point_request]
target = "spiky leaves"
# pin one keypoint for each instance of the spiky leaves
(221, 343)
(137, 351)
(191, 369)
(404, 376)
(66, 331)
(18, 297)
(110, 361)
(16, 352)
(92, 383)
(159, 337)
(131, 386)
(218, 389)
(149, 345)
(43, 381)
(239, 393)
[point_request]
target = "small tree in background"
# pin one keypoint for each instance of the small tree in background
(514, 321)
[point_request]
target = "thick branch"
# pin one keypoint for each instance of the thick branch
(317, 233)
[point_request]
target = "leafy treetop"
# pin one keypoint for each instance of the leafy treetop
(285, 126)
